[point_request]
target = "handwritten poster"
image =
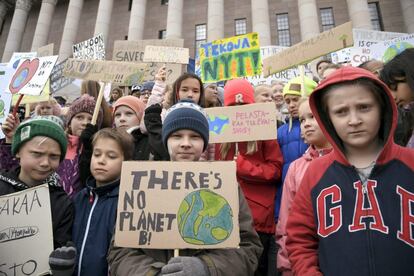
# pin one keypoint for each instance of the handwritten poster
(46, 50)
(305, 51)
(168, 205)
(26, 237)
(250, 122)
(133, 51)
(125, 73)
(166, 54)
(387, 50)
(57, 79)
(229, 58)
(17, 56)
(93, 48)
(31, 75)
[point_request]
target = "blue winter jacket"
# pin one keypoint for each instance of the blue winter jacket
(95, 217)
(293, 147)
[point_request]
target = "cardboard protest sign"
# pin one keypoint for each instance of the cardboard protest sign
(26, 237)
(28, 99)
(166, 54)
(286, 75)
(305, 51)
(31, 75)
(125, 73)
(92, 48)
(57, 79)
(250, 122)
(133, 51)
(176, 205)
(46, 50)
(229, 58)
(387, 50)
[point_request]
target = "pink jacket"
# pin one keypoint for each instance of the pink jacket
(157, 96)
(291, 185)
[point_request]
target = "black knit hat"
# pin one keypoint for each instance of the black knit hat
(185, 115)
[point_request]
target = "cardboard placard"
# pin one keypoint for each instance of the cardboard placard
(305, 51)
(166, 54)
(229, 58)
(57, 79)
(46, 50)
(177, 205)
(125, 73)
(387, 50)
(26, 237)
(92, 48)
(133, 51)
(250, 122)
(31, 75)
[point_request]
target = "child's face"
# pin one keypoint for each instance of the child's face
(211, 94)
(309, 127)
(292, 102)
(185, 145)
(355, 115)
(144, 95)
(106, 162)
(125, 117)
(79, 122)
(190, 89)
(402, 93)
(265, 96)
(45, 109)
(39, 157)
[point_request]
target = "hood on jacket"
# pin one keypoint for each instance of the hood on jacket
(345, 75)
(12, 178)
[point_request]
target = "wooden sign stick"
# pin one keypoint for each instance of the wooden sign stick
(302, 80)
(98, 104)
(16, 106)
(176, 252)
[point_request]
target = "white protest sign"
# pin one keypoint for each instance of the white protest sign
(16, 57)
(26, 237)
(31, 75)
(387, 50)
(166, 54)
(93, 48)
(177, 205)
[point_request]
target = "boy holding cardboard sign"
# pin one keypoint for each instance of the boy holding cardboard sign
(185, 134)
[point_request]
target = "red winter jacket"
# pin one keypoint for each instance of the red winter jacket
(257, 175)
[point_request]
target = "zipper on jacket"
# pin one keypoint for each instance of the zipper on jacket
(85, 237)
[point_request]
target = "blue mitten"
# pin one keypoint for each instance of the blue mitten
(185, 266)
(62, 260)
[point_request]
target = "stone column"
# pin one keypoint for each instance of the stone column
(175, 19)
(3, 12)
(260, 21)
(359, 14)
(308, 19)
(70, 29)
(215, 20)
(407, 7)
(43, 24)
(17, 26)
(103, 18)
(137, 20)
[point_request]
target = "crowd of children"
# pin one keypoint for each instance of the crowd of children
(332, 195)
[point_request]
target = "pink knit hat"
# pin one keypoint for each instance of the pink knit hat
(85, 104)
(132, 102)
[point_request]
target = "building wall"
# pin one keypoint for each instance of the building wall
(194, 12)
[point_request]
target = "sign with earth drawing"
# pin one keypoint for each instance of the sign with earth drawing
(387, 50)
(250, 122)
(177, 205)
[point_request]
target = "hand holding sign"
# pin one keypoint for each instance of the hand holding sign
(9, 127)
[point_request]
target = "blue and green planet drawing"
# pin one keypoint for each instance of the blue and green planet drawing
(218, 124)
(395, 49)
(204, 218)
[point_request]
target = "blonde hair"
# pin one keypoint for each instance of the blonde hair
(260, 88)
(225, 147)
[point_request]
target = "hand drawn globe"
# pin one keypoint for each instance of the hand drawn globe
(204, 218)
(395, 49)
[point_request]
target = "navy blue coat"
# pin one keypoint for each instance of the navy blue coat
(94, 224)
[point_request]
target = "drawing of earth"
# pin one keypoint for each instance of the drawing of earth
(204, 218)
(395, 49)
(218, 124)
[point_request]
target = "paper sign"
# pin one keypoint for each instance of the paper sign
(31, 75)
(26, 237)
(169, 205)
(387, 50)
(16, 57)
(166, 54)
(125, 73)
(6, 72)
(305, 51)
(57, 79)
(5, 101)
(229, 58)
(28, 99)
(133, 51)
(286, 75)
(250, 122)
(93, 48)
(45, 51)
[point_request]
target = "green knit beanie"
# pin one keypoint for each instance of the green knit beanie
(47, 126)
